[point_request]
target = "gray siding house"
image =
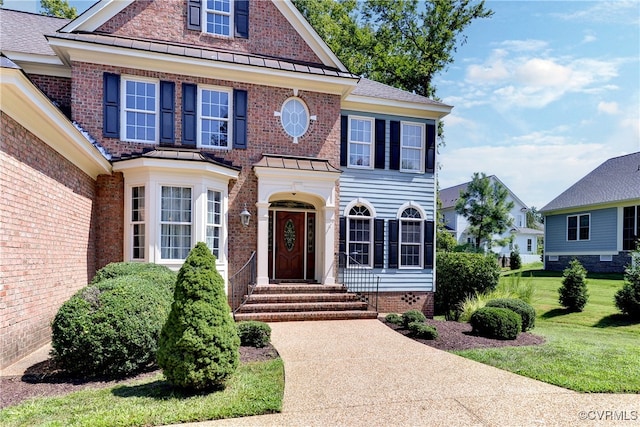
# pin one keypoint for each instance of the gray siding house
(597, 220)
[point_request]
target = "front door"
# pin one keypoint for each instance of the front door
(289, 245)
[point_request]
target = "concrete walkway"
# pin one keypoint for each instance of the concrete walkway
(362, 373)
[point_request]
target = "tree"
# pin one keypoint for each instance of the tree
(573, 293)
(486, 208)
(198, 346)
(402, 43)
(534, 218)
(59, 8)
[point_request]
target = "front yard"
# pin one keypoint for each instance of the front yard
(594, 351)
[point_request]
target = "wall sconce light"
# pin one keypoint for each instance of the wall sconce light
(245, 216)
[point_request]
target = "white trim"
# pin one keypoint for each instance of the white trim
(204, 11)
(370, 219)
(572, 253)
(411, 204)
(360, 201)
(229, 119)
(371, 121)
(28, 106)
(578, 239)
(308, 116)
(123, 110)
(370, 104)
(96, 15)
(420, 244)
(422, 149)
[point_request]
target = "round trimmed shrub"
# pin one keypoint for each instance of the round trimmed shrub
(422, 331)
(198, 347)
(412, 316)
(527, 312)
(496, 322)
(393, 318)
(110, 328)
(573, 292)
(253, 333)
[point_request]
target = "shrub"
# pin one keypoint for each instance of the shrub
(198, 348)
(412, 316)
(422, 331)
(496, 322)
(627, 299)
(110, 328)
(527, 313)
(573, 292)
(253, 333)
(393, 318)
(461, 275)
(515, 262)
(154, 272)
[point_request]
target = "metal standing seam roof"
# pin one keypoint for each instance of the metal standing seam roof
(296, 163)
(184, 154)
(24, 32)
(192, 51)
(615, 180)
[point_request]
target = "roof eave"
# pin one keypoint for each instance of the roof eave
(391, 106)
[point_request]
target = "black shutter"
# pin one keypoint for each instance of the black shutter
(342, 242)
(394, 226)
(189, 114)
(111, 105)
(241, 13)
(167, 112)
(429, 238)
(344, 136)
(194, 15)
(394, 140)
(430, 160)
(378, 243)
(380, 143)
(240, 119)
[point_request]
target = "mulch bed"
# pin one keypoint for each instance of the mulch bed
(457, 336)
(45, 379)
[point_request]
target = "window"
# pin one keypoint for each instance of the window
(411, 147)
(139, 115)
(630, 227)
(137, 223)
(294, 117)
(578, 227)
(360, 141)
(214, 221)
(359, 235)
(218, 15)
(411, 238)
(214, 117)
(529, 245)
(175, 222)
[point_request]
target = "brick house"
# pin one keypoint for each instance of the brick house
(142, 127)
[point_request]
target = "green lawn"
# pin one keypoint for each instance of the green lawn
(597, 350)
(256, 388)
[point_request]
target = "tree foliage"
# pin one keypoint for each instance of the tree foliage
(58, 8)
(485, 206)
(573, 293)
(402, 43)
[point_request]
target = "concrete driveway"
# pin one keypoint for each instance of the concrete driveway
(362, 373)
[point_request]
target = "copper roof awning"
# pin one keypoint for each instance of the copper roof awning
(296, 163)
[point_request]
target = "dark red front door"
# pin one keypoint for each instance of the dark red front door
(289, 245)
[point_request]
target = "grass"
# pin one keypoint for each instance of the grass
(256, 388)
(594, 351)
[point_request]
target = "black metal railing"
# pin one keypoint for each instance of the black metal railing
(358, 278)
(243, 282)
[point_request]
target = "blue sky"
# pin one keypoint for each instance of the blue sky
(543, 92)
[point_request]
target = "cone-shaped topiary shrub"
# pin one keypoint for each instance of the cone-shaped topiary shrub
(198, 346)
(627, 299)
(573, 292)
(526, 311)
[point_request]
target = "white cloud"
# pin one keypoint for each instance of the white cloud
(608, 107)
(618, 12)
(524, 45)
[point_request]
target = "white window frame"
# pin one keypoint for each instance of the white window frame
(138, 221)
(228, 119)
(355, 205)
(578, 239)
(163, 222)
(420, 244)
(351, 142)
(213, 222)
(214, 12)
(421, 150)
(125, 110)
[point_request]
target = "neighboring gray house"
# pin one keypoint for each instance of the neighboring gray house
(597, 220)
(523, 238)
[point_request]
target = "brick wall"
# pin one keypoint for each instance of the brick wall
(58, 89)
(109, 219)
(270, 34)
(264, 132)
(46, 239)
(400, 302)
(592, 263)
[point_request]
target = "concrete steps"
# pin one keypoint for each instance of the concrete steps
(299, 302)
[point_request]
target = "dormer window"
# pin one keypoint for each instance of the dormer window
(218, 17)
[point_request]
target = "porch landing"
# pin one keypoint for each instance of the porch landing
(301, 301)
